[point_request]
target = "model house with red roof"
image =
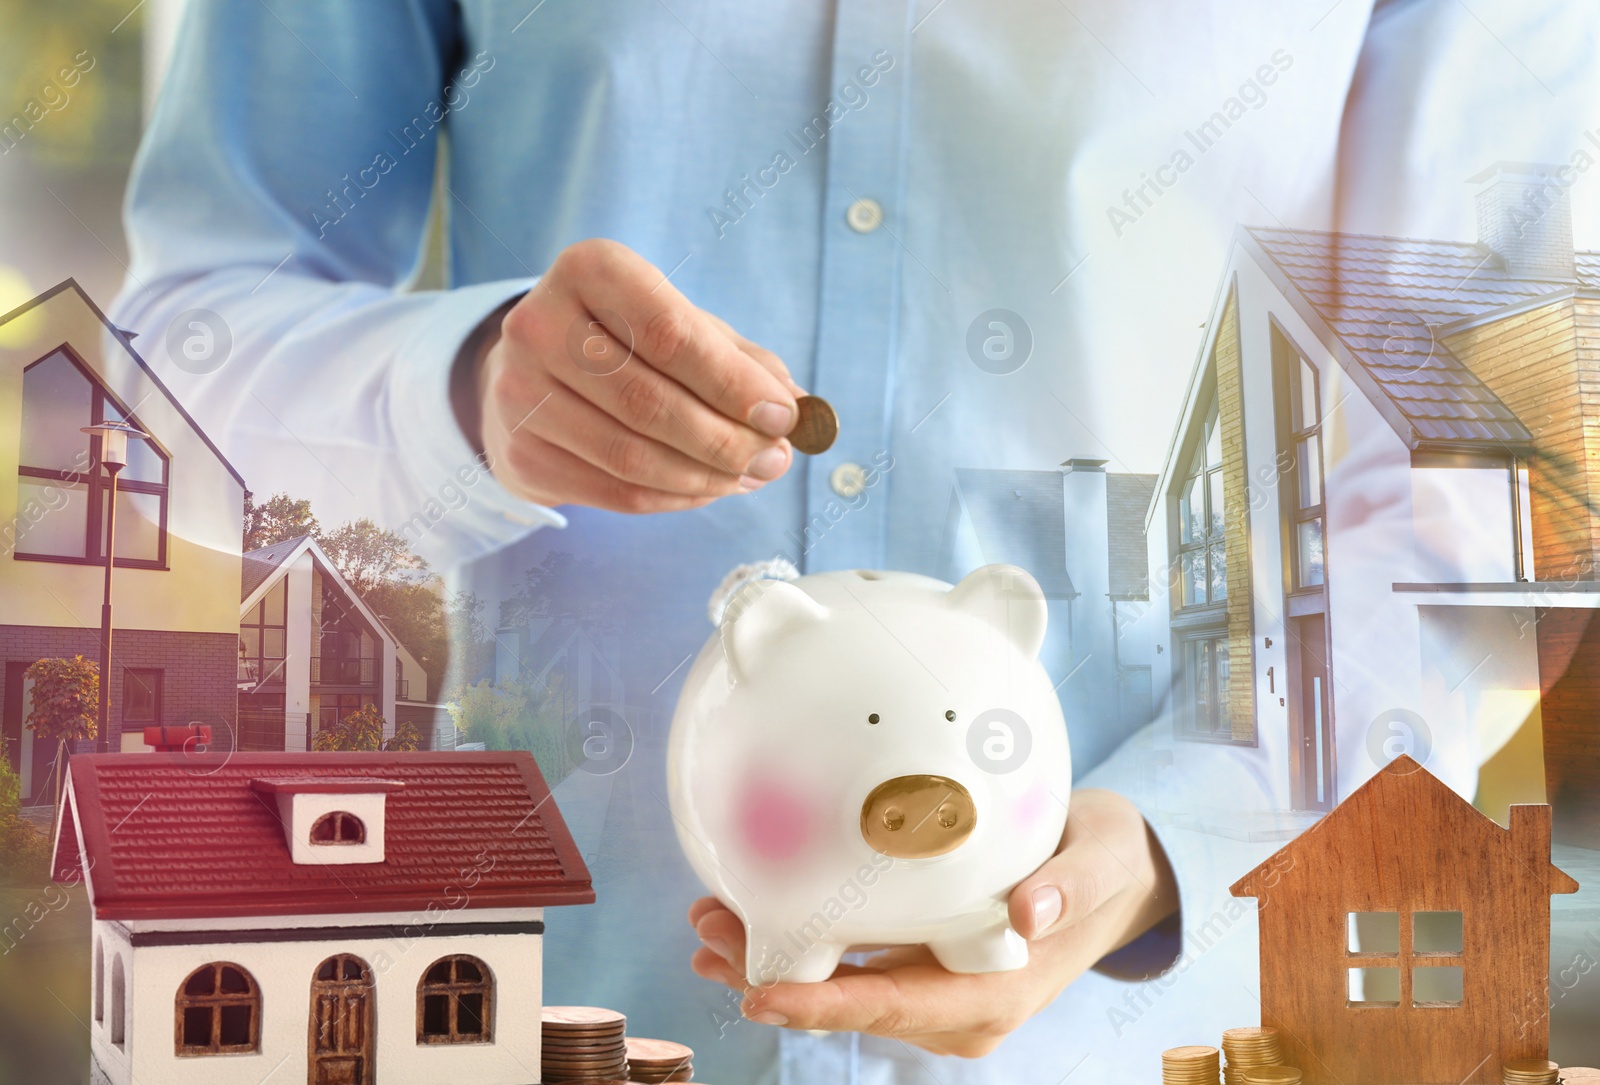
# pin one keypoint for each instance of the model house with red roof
(329, 918)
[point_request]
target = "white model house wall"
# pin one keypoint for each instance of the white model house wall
(283, 971)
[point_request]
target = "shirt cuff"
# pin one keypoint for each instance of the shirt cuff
(465, 512)
(1204, 865)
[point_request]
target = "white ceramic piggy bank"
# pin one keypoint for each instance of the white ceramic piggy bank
(872, 758)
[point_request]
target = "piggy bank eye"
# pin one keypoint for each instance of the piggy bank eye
(894, 818)
(950, 714)
(872, 718)
(948, 816)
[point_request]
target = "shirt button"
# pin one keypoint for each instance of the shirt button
(865, 215)
(848, 479)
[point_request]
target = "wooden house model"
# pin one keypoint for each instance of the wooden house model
(337, 919)
(1405, 937)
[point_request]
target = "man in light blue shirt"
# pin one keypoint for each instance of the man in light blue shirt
(863, 190)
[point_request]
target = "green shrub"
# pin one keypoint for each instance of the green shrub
(24, 851)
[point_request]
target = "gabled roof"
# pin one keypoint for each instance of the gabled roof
(184, 836)
(1020, 519)
(126, 341)
(1400, 798)
(1387, 302)
(261, 565)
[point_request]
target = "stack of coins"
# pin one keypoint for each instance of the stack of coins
(658, 1060)
(583, 1043)
(1248, 1048)
(1194, 1065)
(1580, 1075)
(1272, 1075)
(1529, 1072)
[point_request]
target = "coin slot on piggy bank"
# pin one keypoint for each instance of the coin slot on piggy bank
(866, 758)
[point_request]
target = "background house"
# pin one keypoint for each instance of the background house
(388, 906)
(1391, 436)
(311, 652)
(1451, 977)
(1080, 531)
(62, 367)
(582, 670)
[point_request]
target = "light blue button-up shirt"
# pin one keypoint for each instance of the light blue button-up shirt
(1078, 165)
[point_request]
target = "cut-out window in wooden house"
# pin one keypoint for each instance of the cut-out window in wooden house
(455, 1002)
(218, 1011)
(339, 827)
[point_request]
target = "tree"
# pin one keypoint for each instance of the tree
(24, 852)
(363, 730)
(66, 704)
(368, 556)
(66, 699)
(563, 584)
(281, 517)
(509, 716)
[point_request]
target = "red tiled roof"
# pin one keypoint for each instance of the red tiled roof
(184, 836)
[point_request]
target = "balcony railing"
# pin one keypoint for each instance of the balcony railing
(329, 671)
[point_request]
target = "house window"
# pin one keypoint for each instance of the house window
(219, 1011)
(455, 1002)
(1301, 432)
(59, 473)
(1202, 554)
(1204, 659)
(338, 827)
(119, 998)
(262, 635)
(141, 696)
(1381, 966)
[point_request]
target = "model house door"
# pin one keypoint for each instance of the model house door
(341, 1022)
(1311, 719)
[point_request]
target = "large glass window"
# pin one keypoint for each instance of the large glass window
(63, 495)
(262, 635)
(1202, 554)
(1204, 661)
(1307, 543)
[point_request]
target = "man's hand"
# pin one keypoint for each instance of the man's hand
(1108, 883)
(606, 387)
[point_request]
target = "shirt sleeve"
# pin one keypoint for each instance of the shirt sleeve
(276, 214)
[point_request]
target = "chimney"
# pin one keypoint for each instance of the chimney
(1525, 216)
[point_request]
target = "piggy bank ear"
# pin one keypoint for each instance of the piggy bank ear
(757, 619)
(1007, 598)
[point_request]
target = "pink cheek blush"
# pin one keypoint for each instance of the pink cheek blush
(1029, 809)
(774, 822)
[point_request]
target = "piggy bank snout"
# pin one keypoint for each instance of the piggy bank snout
(918, 817)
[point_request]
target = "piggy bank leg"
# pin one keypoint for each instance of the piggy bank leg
(993, 949)
(774, 958)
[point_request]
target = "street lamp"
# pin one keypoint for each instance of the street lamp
(113, 457)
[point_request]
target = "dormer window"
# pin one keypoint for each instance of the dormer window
(339, 827)
(330, 820)
(59, 471)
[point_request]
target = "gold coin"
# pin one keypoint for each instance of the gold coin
(816, 427)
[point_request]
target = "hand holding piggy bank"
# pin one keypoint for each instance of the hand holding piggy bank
(872, 758)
